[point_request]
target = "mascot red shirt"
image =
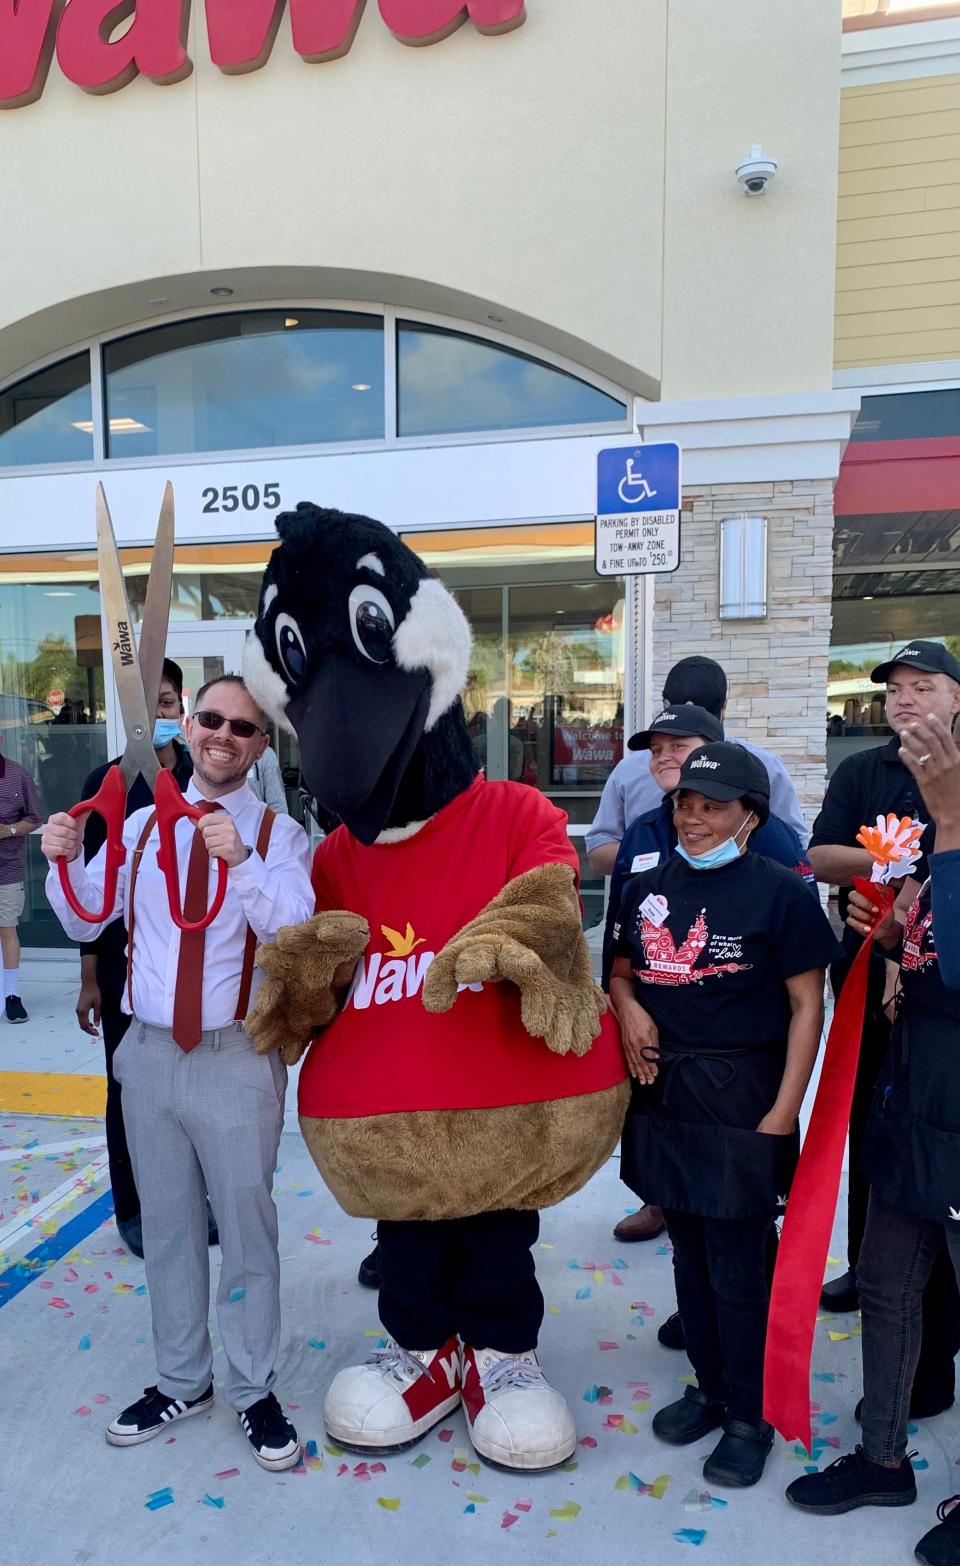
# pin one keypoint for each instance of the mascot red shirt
(384, 1052)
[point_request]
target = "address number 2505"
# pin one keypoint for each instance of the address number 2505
(249, 497)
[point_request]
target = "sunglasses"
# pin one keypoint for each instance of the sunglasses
(241, 727)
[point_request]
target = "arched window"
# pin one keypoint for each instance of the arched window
(286, 377)
(245, 380)
(450, 383)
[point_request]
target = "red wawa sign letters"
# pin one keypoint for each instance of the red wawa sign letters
(82, 34)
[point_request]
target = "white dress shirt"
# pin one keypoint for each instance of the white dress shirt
(264, 894)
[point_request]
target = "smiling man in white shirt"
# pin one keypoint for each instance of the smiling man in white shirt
(203, 1111)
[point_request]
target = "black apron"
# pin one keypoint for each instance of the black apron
(690, 1142)
(911, 1152)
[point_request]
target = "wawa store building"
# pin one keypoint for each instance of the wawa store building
(422, 259)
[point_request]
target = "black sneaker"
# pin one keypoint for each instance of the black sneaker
(131, 1233)
(840, 1294)
(151, 1414)
(854, 1481)
(941, 1546)
(15, 1009)
(275, 1442)
(368, 1272)
(671, 1333)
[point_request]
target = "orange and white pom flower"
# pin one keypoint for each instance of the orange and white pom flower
(893, 845)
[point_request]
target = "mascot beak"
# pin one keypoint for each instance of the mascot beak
(358, 729)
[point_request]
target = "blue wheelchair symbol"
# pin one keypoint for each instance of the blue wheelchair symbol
(644, 478)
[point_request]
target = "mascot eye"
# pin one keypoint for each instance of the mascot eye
(371, 622)
(290, 647)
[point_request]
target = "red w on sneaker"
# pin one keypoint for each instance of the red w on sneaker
(515, 1417)
(394, 1399)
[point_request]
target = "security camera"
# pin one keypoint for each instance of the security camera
(756, 171)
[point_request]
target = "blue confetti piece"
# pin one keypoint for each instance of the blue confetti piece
(583, 1294)
(316, 1343)
(574, 1266)
(827, 1419)
(237, 1293)
(621, 1265)
(663, 1250)
(919, 1463)
(811, 1468)
(592, 1395)
(911, 1429)
(159, 1498)
(304, 1193)
(140, 1289)
(84, 1342)
(212, 1500)
(311, 1449)
(470, 1508)
(824, 1375)
(690, 1535)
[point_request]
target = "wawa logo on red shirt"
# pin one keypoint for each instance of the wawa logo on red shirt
(672, 964)
(83, 35)
(394, 975)
(916, 932)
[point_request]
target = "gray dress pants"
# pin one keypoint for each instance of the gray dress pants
(207, 1122)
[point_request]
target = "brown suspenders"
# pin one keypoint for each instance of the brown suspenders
(250, 945)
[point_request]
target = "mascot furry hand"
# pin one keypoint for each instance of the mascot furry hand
(462, 1073)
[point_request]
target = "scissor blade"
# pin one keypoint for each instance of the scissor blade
(156, 609)
(139, 755)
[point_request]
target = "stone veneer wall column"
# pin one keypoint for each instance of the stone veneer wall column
(776, 667)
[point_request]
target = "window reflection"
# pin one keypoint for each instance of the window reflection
(449, 383)
(49, 416)
(52, 713)
(242, 381)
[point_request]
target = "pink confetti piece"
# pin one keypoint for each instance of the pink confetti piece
(70, 1276)
(604, 1344)
(590, 1443)
(523, 1506)
(445, 1435)
(100, 1397)
(508, 1519)
(83, 1410)
(228, 1473)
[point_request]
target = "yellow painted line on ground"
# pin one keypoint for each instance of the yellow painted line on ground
(52, 1093)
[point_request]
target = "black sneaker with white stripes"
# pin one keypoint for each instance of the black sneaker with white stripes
(151, 1414)
(274, 1441)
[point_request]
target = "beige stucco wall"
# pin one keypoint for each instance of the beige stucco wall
(574, 177)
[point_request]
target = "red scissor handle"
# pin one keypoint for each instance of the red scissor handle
(110, 802)
(171, 808)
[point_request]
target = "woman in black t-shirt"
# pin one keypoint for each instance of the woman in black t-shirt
(911, 1156)
(718, 985)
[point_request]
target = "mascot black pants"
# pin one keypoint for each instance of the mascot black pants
(469, 1276)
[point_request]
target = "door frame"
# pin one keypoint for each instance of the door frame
(185, 639)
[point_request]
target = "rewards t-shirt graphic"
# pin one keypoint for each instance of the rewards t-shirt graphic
(668, 963)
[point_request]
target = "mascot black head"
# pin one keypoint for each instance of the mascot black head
(362, 655)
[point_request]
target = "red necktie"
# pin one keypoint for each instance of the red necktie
(188, 996)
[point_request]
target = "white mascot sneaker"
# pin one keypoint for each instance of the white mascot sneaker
(515, 1417)
(394, 1399)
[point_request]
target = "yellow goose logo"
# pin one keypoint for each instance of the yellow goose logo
(400, 945)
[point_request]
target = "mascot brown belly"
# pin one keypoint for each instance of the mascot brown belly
(462, 1073)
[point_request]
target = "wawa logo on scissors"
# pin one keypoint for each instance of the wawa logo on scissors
(393, 975)
(123, 645)
(84, 36)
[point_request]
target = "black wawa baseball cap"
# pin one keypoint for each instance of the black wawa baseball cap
(930, 657)
(686, 720)
(725, 772)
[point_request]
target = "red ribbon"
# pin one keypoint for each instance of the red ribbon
(805, 1242)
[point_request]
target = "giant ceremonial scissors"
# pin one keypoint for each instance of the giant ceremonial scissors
(138, 673)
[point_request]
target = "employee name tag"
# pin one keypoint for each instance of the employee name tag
(654, 909)
(644, 862)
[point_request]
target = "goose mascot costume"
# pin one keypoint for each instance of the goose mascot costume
(462, 1073)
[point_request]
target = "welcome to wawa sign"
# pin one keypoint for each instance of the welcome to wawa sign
(83, 34)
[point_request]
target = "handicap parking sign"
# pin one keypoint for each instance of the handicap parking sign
(638, 509)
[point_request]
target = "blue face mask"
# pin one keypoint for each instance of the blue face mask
(724, 853)
(165, 730)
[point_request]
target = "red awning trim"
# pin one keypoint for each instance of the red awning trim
(899, 475)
